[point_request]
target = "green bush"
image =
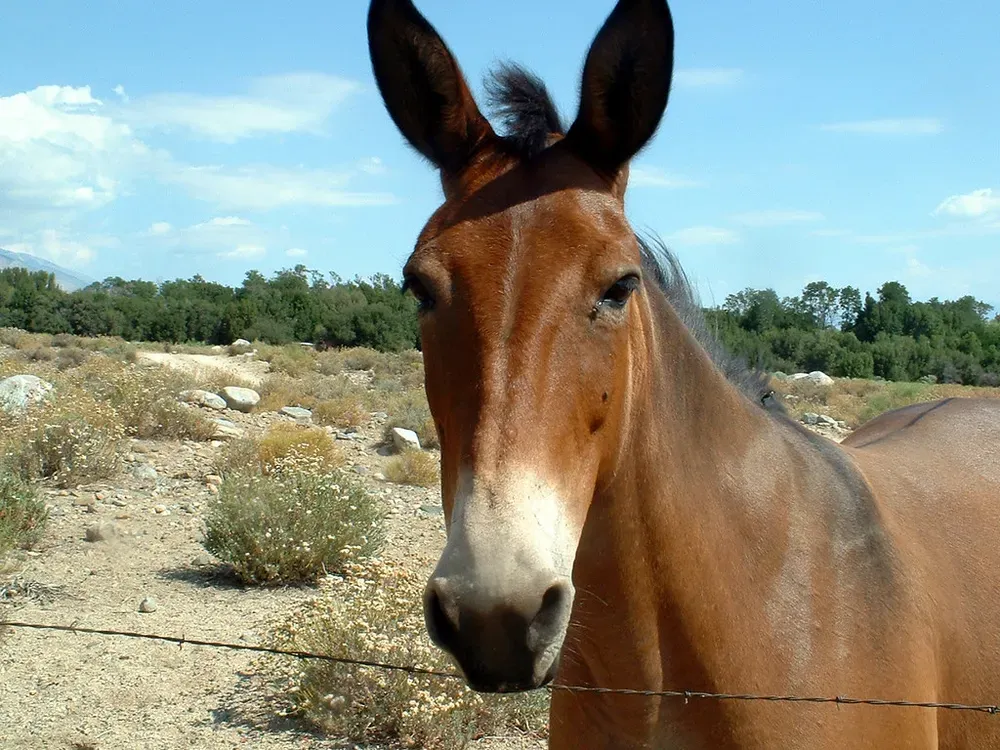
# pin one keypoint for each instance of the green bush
(22, 514)
(294, 524)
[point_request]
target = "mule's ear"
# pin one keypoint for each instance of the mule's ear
(422, 86)
(626, 83)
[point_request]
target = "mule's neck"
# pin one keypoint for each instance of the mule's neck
(686, 549)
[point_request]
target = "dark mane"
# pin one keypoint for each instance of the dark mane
(527, 113)
(663, 266)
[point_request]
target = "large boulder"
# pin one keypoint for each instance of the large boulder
(816, 376)
(403, 439)
(240, 399)
(297, 413)
(19, 392)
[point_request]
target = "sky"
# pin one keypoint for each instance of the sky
(853, 142)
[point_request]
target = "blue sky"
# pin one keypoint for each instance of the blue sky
(854, 142)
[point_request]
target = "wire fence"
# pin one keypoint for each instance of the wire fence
(685, 695)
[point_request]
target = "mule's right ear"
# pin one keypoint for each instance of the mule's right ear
(422, 86)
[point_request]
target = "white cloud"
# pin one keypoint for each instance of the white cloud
(776, 218)
(975, 205)
(243, 252)
(704, 235)
(296, 252)
(890, 126)
(703, 77)
(292, 103)
(657, 178)
(60, 155)
(372, 165)
(120, 90)
(264, 187)
(161, 227)
(56, 247)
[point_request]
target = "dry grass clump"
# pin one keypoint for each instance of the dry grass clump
(347, 410)
(857, 401)
(293, 524)
(409, 410)
(22, 514)
(415, 468)
(262, 454)
(375, 613)
(293, 360)
(71, 438)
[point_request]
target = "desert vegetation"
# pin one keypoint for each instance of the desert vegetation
(294, 469)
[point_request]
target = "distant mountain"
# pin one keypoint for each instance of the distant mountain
(69, 280)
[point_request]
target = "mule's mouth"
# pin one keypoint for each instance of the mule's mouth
(492, 684)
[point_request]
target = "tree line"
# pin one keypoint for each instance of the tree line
(886, 336)
(825, 328)
(292, 305)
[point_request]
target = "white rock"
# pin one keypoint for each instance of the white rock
(203, 398)
(297, 413)
(226, 430)
(18, 392)
(240, 399)
(403, 439)
(148, 605)
(810, 418)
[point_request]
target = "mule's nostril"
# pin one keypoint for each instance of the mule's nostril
(441, 627)
(552, 615)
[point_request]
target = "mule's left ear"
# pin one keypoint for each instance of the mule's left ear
(422, 86)
(626, 84)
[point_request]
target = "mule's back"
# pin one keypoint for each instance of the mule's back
(935, 468)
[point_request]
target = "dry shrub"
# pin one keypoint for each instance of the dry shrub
(280, 390)
(410, 411)
(343, 411)
(294, 524)
(415, 468)
(22, 514)
(283, 441)
(22, 340)
(293, 360)
(374, 613)
(214, 380)
(71, 438)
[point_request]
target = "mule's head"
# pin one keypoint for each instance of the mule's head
(530, 288)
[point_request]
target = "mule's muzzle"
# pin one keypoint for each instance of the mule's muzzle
(503, 644)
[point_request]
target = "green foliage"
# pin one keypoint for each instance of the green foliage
(889, 336)
(294, 305)
(22, 513)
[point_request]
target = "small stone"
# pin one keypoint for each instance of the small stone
(101, 532)
(362, 470)
(99, 496)
(432, 510)
(148, 605)
(226, 430)
(202, 398)
(160, 510)
(119, 502)
(379, 476)
(213, 489)
(213, 479)
(810, 418)
(297, 413)
(202, 560)
(827, 420)
(145, 473)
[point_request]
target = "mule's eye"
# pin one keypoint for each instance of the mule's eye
(416, 287)
(618, 293)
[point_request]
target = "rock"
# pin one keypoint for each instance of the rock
(203, 398)
(242, 344)
(18, 392)
(432, 510)
(403, 439)
(297, 413)
(145, 473)
(148, 605)
(346, 436)
(161, 510)
(213, 480)
(816, 376)
(202, 560)
(378, 476)
(810, 418)
(240, 399)
(226, 430)
(101, 532)
(362, 470)
(827, 420)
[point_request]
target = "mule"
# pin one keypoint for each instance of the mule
(624, 507)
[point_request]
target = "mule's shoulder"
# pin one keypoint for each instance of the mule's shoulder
(968, 415)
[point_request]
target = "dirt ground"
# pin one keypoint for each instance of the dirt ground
(84, 692)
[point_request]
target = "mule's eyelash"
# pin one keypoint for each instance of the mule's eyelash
(616, 295)
(416, 287)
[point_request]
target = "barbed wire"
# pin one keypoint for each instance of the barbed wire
(685, 695)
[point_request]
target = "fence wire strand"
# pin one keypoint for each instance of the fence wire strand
(685, 695)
